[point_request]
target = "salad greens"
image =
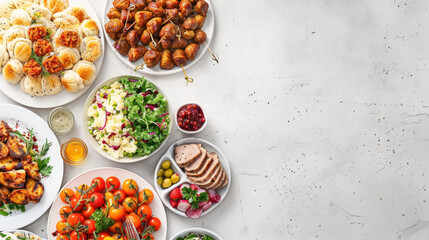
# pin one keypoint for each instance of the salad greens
(147, 111)
(195, 236)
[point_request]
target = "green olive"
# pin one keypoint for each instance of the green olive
(166, 183)
(168, 172)
(160, 173)
(159, 180)
(175, 178)
(166, 164)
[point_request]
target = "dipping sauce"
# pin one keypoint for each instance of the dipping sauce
(190, 117)
(74, 151)
(61, 120)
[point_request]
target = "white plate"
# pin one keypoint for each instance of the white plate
(13, 91)
(86, 177)
(27, 119)
(208, 28)
(94, 144)
(24, 231)
(169, 155)
(197, 230)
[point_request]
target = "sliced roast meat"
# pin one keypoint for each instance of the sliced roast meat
(200, 172)
(185, 154)
(207, 172)
(194, 166)
(210, 179)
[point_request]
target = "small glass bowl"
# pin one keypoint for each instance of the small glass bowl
(64, 154)
(66, 111)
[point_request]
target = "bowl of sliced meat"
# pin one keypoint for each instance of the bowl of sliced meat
(203, 177)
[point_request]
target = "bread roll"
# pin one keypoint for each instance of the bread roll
(20, 17)
(90, 48)
(4, 56)
(5, 24)
(68, 56)
(23, 4)
(86, 71)
(6, 10)
(12, 71)
(57, 42)
(16, 31)
(2, 33)
(36, 11)
(71, 81)
(20, 49)
(77, 11)
(56, 5)
(48, 24)
(89, 28)
(51, 84)
(62, 19)
(32, 86)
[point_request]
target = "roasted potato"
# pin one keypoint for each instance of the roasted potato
(26, 159)
(16, 149)
(19, 196)
(13, 179)
(4, 150)
(4, 130)
(32, 171)
(35, 190)
(8, 164)
(4, 195)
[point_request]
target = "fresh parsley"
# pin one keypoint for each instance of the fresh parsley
(5, 209)
(44, 168)
(102, 222)
(193, 198)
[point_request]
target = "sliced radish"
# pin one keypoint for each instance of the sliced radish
(201, 204)
(183, 205)
(184, 185)
(200, 191)
(194, 187)
(176, 194)
(194, 213)
(207, 206)
(214, 196)
(173, 203)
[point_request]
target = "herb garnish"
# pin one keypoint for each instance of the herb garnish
(193, 198)
(5, 209)
(102, 222)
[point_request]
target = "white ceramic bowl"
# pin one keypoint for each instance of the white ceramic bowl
(186, 131)
(196, 230)
(169, 155)
(93, 143)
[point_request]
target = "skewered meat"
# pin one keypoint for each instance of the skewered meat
(122, 46)
(201, 7)
(132, 38)
(151, 58)
(156, 9)
(179, 43)
(191, 51)
(171, 4)
(127, 16)
(185, 7)
(139, 4)
(200, 20)
(154, 25)
(166, 60)
(155, 45)
(179, 57)
(145, 37)
(171, 14)
(188, 34)
(165, 43)
(121, 4)
(168, 31)
(113, 13)
(190, 23)
(200, 36)
(142, 17)
(136, 53)
(114, 25)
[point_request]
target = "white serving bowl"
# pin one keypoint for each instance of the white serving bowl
(197, 230)
(186, 131)
(94, 144)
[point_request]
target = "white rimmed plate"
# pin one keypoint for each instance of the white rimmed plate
(197, 230)
(14, 91)
(26, 119)
(94, 142)
(208, 28)
(169, 155)
(86, 177)
(25, 232)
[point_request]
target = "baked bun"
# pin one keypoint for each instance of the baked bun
(4, 56)
(23, 4)
(77, 11)
(12, 71)
(5, 10)
(56, 5)
(62, 19)
(71, 81)
(48, 24)
(5, 24)
(66, 33)
(20, 17)
(20, 49)
(2, 33)
(86, 71)
(16, 31)
(36, 11)
(68, 56)
(51, 84)
(90, 48)
(89, 28)
(32, 86)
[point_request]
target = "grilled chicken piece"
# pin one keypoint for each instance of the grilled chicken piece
(4, 150)
(4, 195)
(13, 179)
(27, 159)
(32, 171)
(16, 149)
(35, 190)
(19, 196)
(8, 164)
(4, 130)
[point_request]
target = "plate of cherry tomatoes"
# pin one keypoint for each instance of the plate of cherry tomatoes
(96, 203)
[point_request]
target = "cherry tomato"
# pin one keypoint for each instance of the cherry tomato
(65, 212)
(148, 236)
(112, 183)
(88, 210)
(110, 199)
(145, 196)
(102, 235)
(132, 217)
(119, 237)
(101, 185)
(130, 204)
(77, 236)
(130, 187)
(97, 199)
(116, 227)
(82, 188)
(62, 237)
(76, 205)
(117, 213)
(144, 212)
(119, 195)
(66, 195)
(90, 224)
(74, 220)
(62, 227)
(154, 221)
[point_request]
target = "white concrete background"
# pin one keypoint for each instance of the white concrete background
(321, 107)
